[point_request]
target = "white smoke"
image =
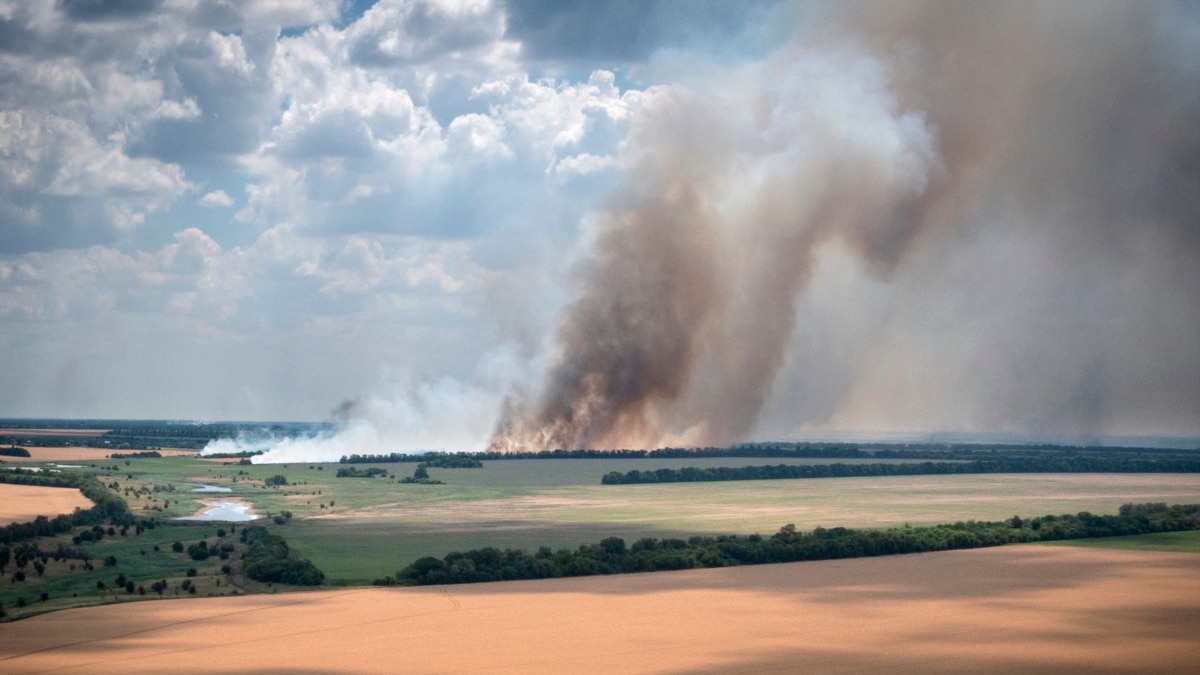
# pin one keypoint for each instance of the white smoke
(445, 415)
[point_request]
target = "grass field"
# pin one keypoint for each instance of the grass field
(434, 520)
(1178, 542)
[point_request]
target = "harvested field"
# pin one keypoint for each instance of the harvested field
(23, 503)
(81, 454)
(1021, 608)
(748, 506)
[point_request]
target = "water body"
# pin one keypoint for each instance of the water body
(212, 488)
(225, 511)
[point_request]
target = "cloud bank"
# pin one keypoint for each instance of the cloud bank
(538, 225)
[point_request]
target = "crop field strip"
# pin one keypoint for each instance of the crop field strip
(1023, 608)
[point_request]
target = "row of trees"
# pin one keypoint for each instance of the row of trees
(959, 451)
(369, 472)
(146, 454)
(1038, 464)
(440, 460)
(612, 556)
(475, 459)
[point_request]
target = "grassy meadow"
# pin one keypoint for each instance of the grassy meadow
(1171, 542)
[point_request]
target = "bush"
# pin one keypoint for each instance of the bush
(200, 550)
(269, 560)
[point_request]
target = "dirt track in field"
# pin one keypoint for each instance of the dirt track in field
(1022, 608)
(23, 503)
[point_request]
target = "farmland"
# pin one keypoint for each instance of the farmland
(1012, 609)
(370, 523)
(26, 502)
(360, 529)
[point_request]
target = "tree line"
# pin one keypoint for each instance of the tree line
(612, 556)
(1031, 464)
(369, 472)
(437, 460)
(474, 459)
(146, 454)
(958, 451)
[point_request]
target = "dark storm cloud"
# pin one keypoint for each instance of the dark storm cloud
(104, 10)
(229, 79)
(624, 31)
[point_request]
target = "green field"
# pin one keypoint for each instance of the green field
(508, 508)
(1178, 542)
(360, 529)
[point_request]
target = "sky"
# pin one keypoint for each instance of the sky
(460, 224)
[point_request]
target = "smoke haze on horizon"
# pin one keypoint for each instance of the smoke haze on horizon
(494, 224)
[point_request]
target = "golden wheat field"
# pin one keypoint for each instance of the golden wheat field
(1012, 609)
(22, 503)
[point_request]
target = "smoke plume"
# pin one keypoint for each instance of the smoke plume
(1055, 146)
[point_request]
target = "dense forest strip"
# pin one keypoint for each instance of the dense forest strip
(964, 452)
(612, 556)
(1038, 464)
(269, 560)
(108, 506)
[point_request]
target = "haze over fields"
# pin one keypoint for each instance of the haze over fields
(526, 225)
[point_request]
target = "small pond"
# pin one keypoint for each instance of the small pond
(224, 511)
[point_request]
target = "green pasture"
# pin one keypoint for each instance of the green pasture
(502, 506)
(141, 559)
(1178, 542)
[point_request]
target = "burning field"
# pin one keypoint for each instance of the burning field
(1021, 608)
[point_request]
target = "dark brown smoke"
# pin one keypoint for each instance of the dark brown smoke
(631, 340)
(903, 133)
